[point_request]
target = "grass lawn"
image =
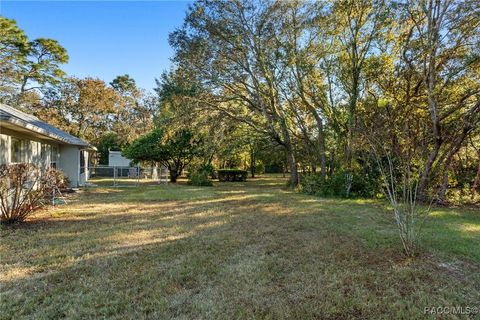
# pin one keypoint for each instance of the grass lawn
(235, 250)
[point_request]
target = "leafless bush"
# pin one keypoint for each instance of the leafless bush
(25, 188)
(400, 188)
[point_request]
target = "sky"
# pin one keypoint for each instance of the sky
(105, 38)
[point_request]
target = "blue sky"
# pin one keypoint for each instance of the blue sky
(105, 39)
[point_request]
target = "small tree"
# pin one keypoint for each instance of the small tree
(400, 188)
(400, 162)
(25, 188)
(175, 151)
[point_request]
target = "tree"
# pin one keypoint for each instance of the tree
(13, 48)
(110, 141)
(310, 75)
(124, 83)
(27, 65)
(42, 66)
(174, 150)
(82, 107)
(231, 47)
(134, 109)
(449, 54)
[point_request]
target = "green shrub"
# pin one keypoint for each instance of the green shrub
(199, 178)
(312, 184)
(232, 175)
(200, 175)
(208, 168)
(260, 168)
(362, 185)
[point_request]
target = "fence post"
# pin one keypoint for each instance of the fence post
(138, 175)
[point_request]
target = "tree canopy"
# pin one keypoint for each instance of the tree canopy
(174, 150)
(329, 82)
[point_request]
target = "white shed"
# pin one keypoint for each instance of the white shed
(115, 159)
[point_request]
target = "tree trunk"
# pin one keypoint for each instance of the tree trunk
(448, 162)
(321, 142)
(422, 184)
(293, 169)
(290, 155)
(476, 181)
(173, 176)
(252, 163)
(431, 80)
(174, 173)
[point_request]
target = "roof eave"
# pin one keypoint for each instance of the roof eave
(35, 129)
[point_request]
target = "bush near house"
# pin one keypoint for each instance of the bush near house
(25, 188)
(232, 175)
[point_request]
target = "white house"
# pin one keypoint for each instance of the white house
(26, 139)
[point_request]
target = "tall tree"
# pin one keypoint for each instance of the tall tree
(13, 48)
(83, 107)
(232, 49)
(42, 67)
(27, 65)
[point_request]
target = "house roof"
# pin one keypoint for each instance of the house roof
(31, 123)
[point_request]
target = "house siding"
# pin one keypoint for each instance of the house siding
(34, 150)
(70, 164)
(26, 139)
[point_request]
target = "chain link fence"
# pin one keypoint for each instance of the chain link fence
(117, 176)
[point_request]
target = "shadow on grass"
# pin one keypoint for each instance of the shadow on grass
(233, 251)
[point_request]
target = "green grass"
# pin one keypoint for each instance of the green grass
(235, 250)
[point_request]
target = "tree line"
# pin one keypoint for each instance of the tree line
(339, 85)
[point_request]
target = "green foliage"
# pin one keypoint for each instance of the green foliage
(232, 175)
(208, 168)
(23, 61)
(200, 175)
(175, 150)
(260, 168)
(43, 62)
(146, 148)
(13, 48)
(107, 142)
(124, 83)
(199, 178)
(335, 185)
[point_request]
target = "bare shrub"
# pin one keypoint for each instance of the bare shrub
(25, 188)
(401, 189)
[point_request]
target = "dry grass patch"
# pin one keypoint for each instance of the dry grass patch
(246, 250)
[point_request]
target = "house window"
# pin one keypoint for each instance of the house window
(17, 150)
(53, 157)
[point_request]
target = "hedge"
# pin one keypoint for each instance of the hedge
(232, 175)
